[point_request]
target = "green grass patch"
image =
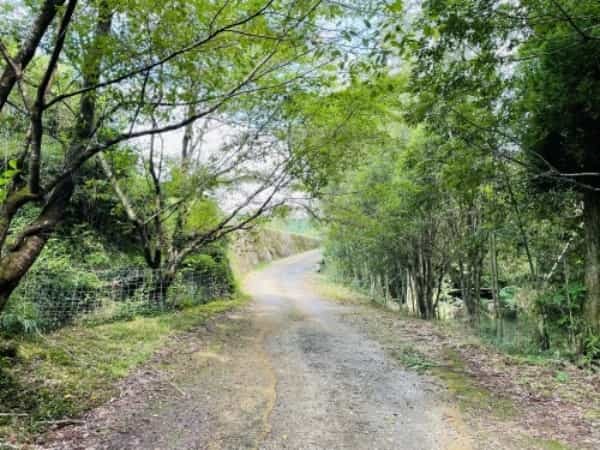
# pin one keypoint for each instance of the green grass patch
(471, 398)
(337, 292)
(542, 444)
(261, 266)
(413, 359)
(75, 369)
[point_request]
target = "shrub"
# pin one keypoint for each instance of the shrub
(562, 309)
(210, 270)
(58, 295)
(20, 317)
(508, 301)
(591, 348)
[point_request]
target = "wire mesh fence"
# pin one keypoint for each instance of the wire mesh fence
(56, 299)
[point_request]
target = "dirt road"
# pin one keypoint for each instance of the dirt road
(335, 388)
(287, 373)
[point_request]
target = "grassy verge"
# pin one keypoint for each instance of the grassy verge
(443, 363)
(470, 395)
(338, 292)
(75, 369)
(494, 390)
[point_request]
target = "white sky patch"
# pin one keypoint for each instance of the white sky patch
(246, 168)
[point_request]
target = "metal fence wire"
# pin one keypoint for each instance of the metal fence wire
(105, 295)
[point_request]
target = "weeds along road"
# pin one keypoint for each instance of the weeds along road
(287, 373)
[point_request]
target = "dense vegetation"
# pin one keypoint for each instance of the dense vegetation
(131, 141)
(483, 185)
(450, 149)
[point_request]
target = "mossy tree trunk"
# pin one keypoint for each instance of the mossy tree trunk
(591, 216)
(21, 253)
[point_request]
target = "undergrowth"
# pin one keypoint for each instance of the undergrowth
(66, 373)
(413, 359)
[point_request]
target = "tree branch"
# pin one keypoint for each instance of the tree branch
(38, 107)
(571, 21)
(165, 59)
(39, 27)
(86, 152)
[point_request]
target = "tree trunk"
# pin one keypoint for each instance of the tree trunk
(591, 219)
(572, 338)
(20, 255)
(466, 288)
(386, 288)
(424, 283)
(543, 335)
(24, 252)
(160, 287)
(410, 290)
(476, 274)
(495, 294)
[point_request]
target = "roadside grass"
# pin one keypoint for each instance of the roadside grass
(66, 373)
(432, 348)
(261, 266)
(444, 364)
(471, 397)
(338, 292)
(413, 359)
(450, 370)
(544, 444)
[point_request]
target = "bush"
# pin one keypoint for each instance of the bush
(563, 310)
(57, 296)
(21, 317)
(591, 348)
(508, 301)
(63, 288)
(210, 270)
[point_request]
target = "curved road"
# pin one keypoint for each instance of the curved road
(286, 373)
(336, 389)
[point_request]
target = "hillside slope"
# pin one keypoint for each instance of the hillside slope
(250, 250)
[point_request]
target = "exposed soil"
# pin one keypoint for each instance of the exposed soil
(295, 371)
